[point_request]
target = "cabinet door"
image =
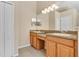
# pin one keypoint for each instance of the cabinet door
(31, 41)
(50, 49)
(65, 51)
(40, 44)
(34, 41)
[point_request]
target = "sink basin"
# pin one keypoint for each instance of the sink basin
(64, 35)
(37, 31)
(41, 32)
(43, 35)
(61, 34)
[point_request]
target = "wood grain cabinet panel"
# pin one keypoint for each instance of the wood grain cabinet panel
(76, 48)
(69, 42)
(60, 47)
(50, 49)
(34, 40)
(31, 41)
(55, 46)
(40, 44)
(65, 51)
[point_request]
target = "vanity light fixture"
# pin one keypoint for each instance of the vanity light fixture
(54, 6)
(47, 10)
(50, 8)
(43, 11)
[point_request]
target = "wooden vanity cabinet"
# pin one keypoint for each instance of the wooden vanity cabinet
(55, 46)
(60, 47)
(40, 44)
(36, 42)
(33, 39)
(50, 48)
(65, 51)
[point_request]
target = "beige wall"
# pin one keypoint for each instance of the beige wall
(24, 11)
(52, 20)
(44, 19)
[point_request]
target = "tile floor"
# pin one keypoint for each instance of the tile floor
(30, 52)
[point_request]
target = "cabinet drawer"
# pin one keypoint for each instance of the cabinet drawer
(62, 40)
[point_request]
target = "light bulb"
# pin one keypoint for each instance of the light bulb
(47, 10)
(43, 11)
(54, 6)
(50, 8)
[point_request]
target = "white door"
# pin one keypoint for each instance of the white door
(9, 29)
(1, 29)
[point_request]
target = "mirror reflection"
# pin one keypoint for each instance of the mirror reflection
(59, 18)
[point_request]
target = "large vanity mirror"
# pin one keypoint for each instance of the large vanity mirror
(65, 20)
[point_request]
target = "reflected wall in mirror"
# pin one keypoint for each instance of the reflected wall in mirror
(66, 20)
(52, 20)
(44, 18)
(66, 23)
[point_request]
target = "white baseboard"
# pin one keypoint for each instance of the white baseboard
(15, 55)
(24, 46)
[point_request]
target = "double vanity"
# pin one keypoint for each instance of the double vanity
(55, 43)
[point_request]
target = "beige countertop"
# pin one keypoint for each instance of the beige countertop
(69, 36)
(38, 32)
(66, 36)
(42, 35)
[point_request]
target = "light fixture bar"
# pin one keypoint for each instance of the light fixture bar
(50, 8)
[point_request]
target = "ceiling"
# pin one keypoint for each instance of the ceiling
(44, 4)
